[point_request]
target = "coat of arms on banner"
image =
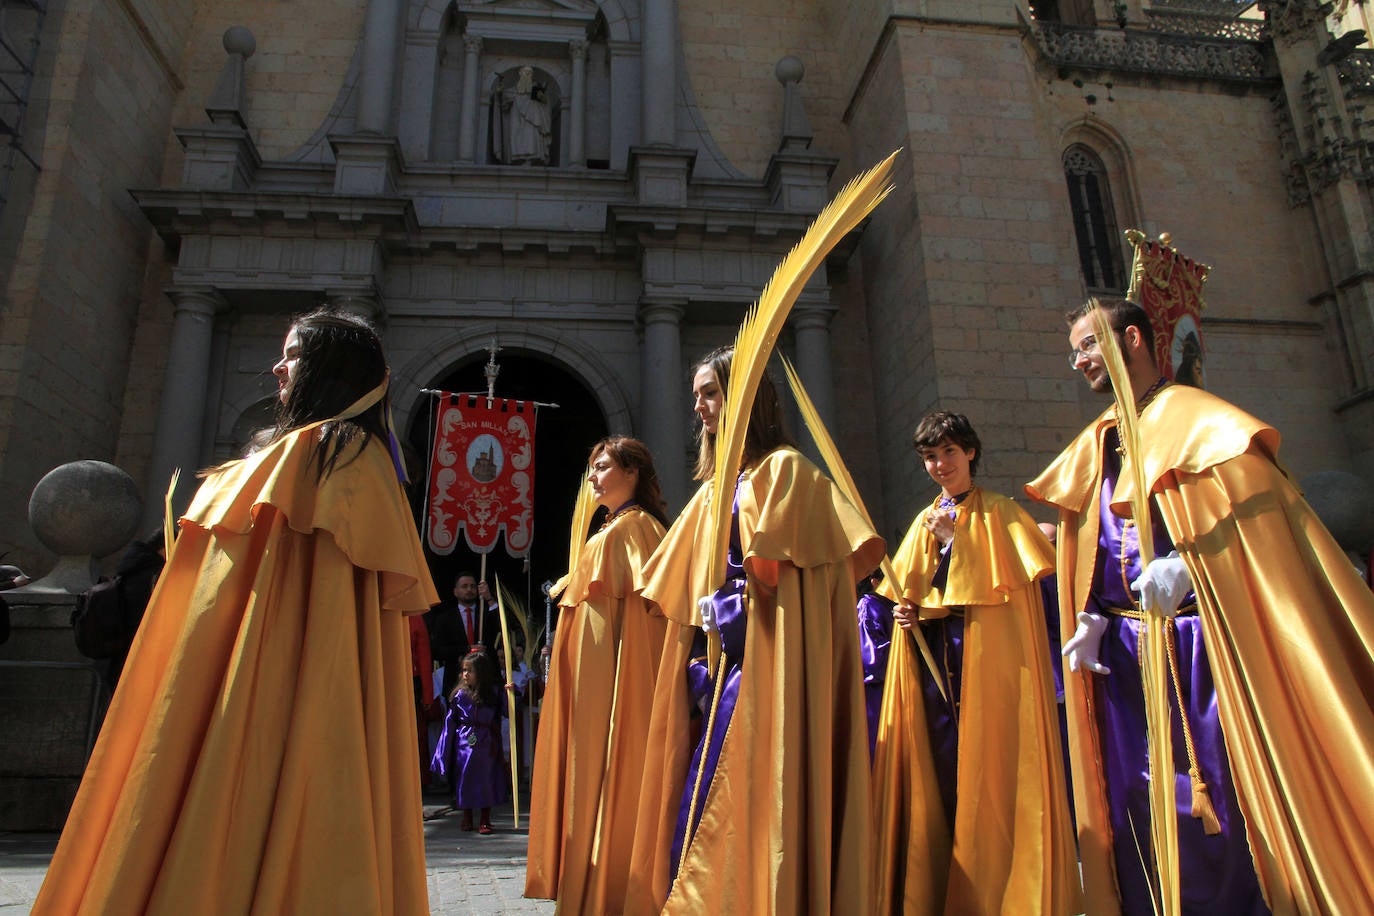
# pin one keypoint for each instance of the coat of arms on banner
(481, 475)
(1168, 286)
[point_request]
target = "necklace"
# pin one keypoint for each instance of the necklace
(1144, 401)
(945, 503)
(1150, 393)
(627, 507)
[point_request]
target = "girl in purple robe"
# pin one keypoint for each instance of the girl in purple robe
(469, 751)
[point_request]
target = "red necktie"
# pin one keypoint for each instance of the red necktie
(467, 620)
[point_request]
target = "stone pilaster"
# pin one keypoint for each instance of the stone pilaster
(663, 401)
(380, 64)
(468, 110)
(811, 334)
(660, 175)
(577, 141)
(659, 65)
(366, 166)
(219, 157)
(181, 415)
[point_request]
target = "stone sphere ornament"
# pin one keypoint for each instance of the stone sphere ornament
(81, 510)
(238, 40)
(789, 70)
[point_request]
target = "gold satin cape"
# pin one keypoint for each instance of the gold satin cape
(1013, 846)
(259, 755)
(589, 756)
(1289, 630)
(786, 826)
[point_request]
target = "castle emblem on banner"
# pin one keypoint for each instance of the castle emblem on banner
(481, 475)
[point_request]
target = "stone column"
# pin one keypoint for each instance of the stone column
(811, 332)
(380, 64)
(663, 399)
(659, 64)
(181, 415)
(468, 111)
(577, 143)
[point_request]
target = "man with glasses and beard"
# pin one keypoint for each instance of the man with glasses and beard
(1269, 646)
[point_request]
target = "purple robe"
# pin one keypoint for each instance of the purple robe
(469, 752)
(732, 621)
(1217, 874)
(875, 639)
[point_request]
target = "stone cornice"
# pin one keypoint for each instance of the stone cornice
(709, 221)
(1155, 53)
(178, 214)
(175, 212)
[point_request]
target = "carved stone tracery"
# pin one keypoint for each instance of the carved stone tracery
(1292, 20)
(1153, 52)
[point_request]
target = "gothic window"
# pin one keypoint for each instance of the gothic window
(1094, 220)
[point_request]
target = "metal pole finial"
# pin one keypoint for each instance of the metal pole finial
(492, 369)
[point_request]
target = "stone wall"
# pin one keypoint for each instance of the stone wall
(101, 114)
(731, 48)
(290, 82)
(52, 703)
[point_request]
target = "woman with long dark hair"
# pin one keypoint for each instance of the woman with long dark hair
(768, 812)
(259, 754)
(590, 755)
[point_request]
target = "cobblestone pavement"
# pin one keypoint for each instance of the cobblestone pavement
(468, 873)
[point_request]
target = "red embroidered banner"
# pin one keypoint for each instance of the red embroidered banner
(1169, 287)
(481, 474)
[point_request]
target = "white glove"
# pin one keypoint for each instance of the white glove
(1163, 585)
(1085, 645)
(707, 606)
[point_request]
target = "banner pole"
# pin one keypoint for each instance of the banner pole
(482, 614)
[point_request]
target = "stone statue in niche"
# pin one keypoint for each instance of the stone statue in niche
(528, 125)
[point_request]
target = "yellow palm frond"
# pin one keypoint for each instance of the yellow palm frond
(516, 607)
(169, 521)
(845, 481)
(501, 611)
(758, 334)
(1153, 657)
(583, 510)
(1127, 425)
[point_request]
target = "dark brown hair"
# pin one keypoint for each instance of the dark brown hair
(940, 425)
(1121, 314)
(767, 430)
(632, 455)
(340, 360)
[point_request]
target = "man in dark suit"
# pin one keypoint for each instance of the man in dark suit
(457, 627)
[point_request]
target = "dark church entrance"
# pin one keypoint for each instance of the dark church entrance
(563, 436)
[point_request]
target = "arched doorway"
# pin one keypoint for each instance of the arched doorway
(563, 436)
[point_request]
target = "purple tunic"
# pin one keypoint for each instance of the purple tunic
(875, 639)
(469, 752)
(731, 620)
(1217, 873)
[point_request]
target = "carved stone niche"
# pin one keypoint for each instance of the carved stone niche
(514, 82)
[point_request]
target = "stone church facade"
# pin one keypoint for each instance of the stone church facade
(604, 187)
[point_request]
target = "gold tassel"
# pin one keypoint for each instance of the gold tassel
(1202, 804)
